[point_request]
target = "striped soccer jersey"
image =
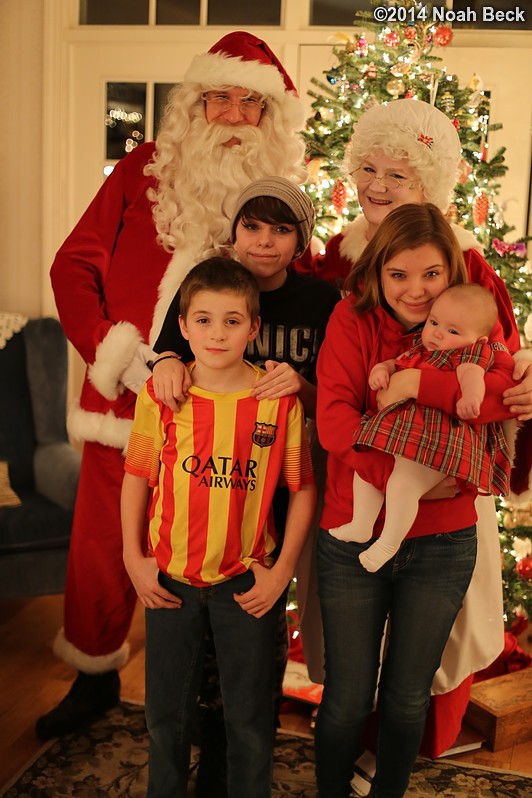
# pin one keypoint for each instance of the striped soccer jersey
(214, 467)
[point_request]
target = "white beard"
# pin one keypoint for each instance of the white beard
(196, 204)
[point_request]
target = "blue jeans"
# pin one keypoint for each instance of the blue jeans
(421, 589)
(245, 648)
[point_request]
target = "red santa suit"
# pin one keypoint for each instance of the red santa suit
(113, 283)
(477, 637)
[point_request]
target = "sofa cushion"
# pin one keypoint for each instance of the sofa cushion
(36, 525)
(17, 436)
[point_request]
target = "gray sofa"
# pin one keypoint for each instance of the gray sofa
(43, 467)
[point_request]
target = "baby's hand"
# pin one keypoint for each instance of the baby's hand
(379, 378)
(467, 408)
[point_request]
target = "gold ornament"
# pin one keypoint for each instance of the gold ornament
(395, 87)
(314, 168)
(400, 68)
(476, 83)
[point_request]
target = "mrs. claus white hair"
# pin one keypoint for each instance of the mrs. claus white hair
(414, 131)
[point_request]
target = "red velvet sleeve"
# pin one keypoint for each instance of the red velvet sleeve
(330, 265)
(81, 265)
(342, 371)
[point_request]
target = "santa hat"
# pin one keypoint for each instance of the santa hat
(417, 131)
(241, 59)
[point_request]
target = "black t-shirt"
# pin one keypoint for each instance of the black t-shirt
(293, 322)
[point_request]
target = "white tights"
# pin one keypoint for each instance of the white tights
(408, 482)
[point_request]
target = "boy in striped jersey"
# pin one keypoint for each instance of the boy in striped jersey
(214, 467)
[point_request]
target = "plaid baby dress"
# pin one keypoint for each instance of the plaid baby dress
(477, 453)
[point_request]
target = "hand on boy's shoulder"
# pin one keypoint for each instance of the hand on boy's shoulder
(280, 380)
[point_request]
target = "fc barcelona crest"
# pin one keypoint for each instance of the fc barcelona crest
(264, 434)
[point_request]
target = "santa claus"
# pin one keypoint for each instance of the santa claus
(166, 206)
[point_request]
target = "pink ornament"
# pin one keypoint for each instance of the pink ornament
(362, 46)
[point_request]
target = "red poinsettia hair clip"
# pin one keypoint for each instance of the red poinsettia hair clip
(426, 140)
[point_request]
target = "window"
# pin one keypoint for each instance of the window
(116, 12)
(127, 109)
(125, 118)
(178, 12)
(337, 12)
(480, 14)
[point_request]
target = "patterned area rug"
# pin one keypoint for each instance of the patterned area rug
(109, 760)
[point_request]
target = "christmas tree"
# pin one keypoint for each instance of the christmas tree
(381, 63)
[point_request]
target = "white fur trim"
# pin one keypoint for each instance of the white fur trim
(354, 240)
(466, 239)
(523, 354)
(84, 662)
(178, 267)
(105, 428)
(219, 69)
(113, 355)
(510, 427)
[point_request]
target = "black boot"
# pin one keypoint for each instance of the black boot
(211, 776)
(88, 698)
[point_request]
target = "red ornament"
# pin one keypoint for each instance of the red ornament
(410, 33)
(339, 197)
(391, 39)
(456, 123)
(524, 568)
(409, 94)
(443, 36)
(480, 208)
(371, 71)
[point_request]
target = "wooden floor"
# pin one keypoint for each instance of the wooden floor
(32, 681)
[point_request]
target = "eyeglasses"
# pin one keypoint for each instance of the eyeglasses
(221, 104)
(367, 175)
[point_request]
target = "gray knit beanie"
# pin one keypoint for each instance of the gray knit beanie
(290, 193)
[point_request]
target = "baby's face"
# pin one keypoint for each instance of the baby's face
(450, 325)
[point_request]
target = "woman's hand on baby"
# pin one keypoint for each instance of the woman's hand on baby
(446, 489)
(519, 398)
(171, 381)
(403, 385)
(280, 380)
(264, 593)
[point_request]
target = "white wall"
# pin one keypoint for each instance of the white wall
(21, 132)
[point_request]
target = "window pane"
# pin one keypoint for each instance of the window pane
(160, 97)
(479, 14)
(244, 12)
(113, 12)
(125, 118)
(337, 12)
(178, 12)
